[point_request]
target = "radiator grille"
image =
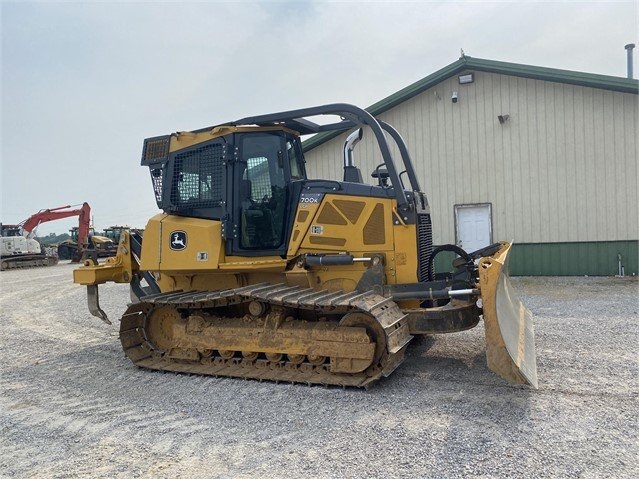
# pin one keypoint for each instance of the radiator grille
(330, 216)
(424, 245)
(351, 209)
(374, 232)
(302, 215)
(323, 240)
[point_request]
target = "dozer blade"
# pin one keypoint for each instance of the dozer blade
(510, 340)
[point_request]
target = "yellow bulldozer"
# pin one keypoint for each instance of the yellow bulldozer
(254, 270)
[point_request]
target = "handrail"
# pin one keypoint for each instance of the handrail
(403, 150)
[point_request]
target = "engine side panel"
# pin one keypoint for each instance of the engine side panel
(174, 244)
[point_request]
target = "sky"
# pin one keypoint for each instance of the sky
(83, 83)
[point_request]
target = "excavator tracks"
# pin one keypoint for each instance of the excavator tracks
(27, 261)
(287, 333)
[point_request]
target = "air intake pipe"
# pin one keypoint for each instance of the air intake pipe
(351, 172)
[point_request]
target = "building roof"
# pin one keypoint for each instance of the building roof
(466, 63)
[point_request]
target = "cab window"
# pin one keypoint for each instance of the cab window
(262, 191)
(296, 160)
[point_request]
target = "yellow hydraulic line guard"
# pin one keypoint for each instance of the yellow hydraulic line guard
(510, 339)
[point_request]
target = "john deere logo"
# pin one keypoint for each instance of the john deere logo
(178, 240)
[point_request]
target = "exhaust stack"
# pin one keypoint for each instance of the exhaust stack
(351, 172)
(629, 48)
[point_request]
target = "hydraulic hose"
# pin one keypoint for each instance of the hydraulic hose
(447, 247)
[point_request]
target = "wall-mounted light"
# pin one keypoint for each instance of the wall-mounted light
(503, 118)
(466, 78)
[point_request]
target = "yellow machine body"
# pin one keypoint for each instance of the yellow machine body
(255, 271)
(360, 226)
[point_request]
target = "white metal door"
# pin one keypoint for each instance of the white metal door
(473, 228)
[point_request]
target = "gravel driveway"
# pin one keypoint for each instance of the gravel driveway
(73, 406)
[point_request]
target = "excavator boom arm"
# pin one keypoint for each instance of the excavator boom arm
(84, 213)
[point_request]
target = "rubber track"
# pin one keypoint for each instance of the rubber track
(384, 310)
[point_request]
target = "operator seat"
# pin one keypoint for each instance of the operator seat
(257, 220)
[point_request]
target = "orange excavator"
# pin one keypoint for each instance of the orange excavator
(20, 248)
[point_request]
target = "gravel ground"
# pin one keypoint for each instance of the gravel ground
(73, 406)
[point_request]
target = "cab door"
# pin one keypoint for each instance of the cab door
(262, 205)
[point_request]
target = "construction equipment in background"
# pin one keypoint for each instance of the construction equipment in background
(114, 232)
(97, 245)
(255, 271)
(17, 250)
(20, 248)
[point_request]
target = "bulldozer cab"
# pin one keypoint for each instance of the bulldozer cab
(249, 179)
(250, 174)
(268, 163)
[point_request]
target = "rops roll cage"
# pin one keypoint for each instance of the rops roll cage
(352, 117)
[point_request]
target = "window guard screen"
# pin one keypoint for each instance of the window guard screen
(198, 177)
(157, 172)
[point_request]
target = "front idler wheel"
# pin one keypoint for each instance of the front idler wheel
(159, 328)
(373, 329)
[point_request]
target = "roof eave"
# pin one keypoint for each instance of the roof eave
(465, 63)
(605, 82)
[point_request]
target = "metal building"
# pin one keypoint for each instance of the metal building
(545, 157)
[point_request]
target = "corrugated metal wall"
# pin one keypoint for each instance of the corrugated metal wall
(562, 168)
